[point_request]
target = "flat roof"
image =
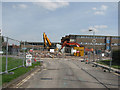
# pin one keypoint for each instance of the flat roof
(40, 42)
(92, 35)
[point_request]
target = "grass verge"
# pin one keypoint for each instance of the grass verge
(12, 63)
(107, 62)
(18, 72)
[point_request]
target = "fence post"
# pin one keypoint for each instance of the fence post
(110, 60)
(6, 55)
(24, 54)
(88, 56)
(84, 54)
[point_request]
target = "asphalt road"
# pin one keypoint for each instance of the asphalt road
(68, 73)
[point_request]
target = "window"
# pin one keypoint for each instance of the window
(82, 37)
(78, 36)
(91, 43)
(81, 43)
(115, 44)
(115, 37)
(90, 36)
(96, 43)
(86, 43)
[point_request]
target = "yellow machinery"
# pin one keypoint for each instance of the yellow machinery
(79, 51)
(45, 38)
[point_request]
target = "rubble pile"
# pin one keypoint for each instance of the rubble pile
(47, 54)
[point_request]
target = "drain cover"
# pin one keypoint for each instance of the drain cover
(46, 78)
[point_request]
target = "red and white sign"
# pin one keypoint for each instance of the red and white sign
(28, 60)
(28, 56)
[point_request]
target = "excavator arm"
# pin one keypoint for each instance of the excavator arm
(45, 38)
(70, 43)
(48, 41)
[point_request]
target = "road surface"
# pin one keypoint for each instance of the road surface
(69, 73)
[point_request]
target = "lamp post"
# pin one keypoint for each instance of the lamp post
(91, 30)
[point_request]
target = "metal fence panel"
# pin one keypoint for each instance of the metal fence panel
(12, 58)
(0, 61)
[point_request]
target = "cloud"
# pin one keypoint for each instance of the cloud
(23, 6)
(52, 6)
(104, 7)
(84, 30)
(13, 6)
(95, 28)
(101, 26)
(101, 10)
(99, 13)
(87, 30)
(94, 8)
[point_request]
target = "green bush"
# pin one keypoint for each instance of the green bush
(116, 57)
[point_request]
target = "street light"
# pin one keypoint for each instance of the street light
(91, 30)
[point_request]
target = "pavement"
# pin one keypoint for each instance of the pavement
(69, 73)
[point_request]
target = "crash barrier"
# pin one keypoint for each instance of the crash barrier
(104, 67)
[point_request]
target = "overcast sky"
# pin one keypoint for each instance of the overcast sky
(28, 20)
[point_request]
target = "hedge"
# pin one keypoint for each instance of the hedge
(116, 57)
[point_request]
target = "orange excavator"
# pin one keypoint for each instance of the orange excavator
(79, 48)
(45, 38)
(69, 44)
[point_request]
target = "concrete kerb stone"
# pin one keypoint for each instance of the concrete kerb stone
(104, 67)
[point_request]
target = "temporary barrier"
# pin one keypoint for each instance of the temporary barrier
(13, 57)
(28, 60)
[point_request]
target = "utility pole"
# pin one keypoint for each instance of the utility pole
(93, 44)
